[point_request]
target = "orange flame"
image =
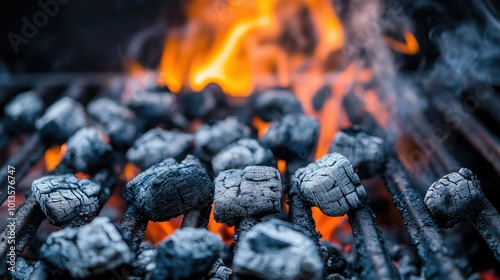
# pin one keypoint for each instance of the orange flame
(410, 46)
(240, 49)
(53, 156)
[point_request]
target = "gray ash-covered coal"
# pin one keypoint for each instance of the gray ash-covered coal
(22, 112)
(291, 137)
(61, 120)
(156, 107)
(274, 104)
(455, 198)
(209, 140)
(243, 153)
(277, 250)
(206, 104)
(158, 144)
(66, 199)
(188, 253)
(366, 153)
(458, 197)
(169, 189)
(331, 185)
(119, 122)
(87, 151)
(93, 251)
(249, 193)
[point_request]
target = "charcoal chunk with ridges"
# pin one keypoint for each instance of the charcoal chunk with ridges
(277, 250)
(66, 199)
(119, 122)
(209, 140)
(243, 153)
(291, 137)
(188, 253)
(22, 112)
(169, 189)
(331, 185)
(366, 153)
(157, 145)
(61, 120)
(273, 104)
(87, 151)
(88, 251)
(252, 192)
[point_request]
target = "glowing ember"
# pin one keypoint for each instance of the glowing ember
(53, 156)
(156, 232)
(130, 171)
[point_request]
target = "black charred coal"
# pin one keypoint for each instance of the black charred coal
(409, 265)
(293, 136)
(166, 190)
(436, 257)
(22, 112)
(204, 104)
(87, 152)
(117, 121)
(458, 197)
(169, 189)
(61, 120)
(320, 97)
(333, 258)
(89, 252)
(274, 104)
(157, 107)
(331, 184)
(366, 153)
(252, 192)
(277, 250)
(188, 253)
(243, 153)
(67, 200)
(219, 271)
(157, 145)
(209, 140)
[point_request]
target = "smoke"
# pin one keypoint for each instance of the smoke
(467, 41)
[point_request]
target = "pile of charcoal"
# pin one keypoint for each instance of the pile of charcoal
(221, 166)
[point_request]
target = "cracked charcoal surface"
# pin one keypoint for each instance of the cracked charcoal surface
(66, 199)
(219, 271)
(22, 112)
(454, 198)
(209, 140)
(292, 136)
(252, 192)
(365, 152)
(156, 107)
(273, 104)
(331, 185)
(277, 250)
(169, 189)
(117, 121)
(87, 251)
(87, 151)
(188, 253)
(243, 153)
(157, 145)
(61, 120)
